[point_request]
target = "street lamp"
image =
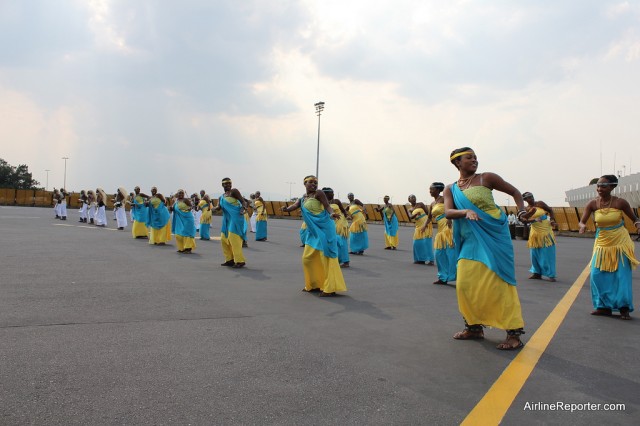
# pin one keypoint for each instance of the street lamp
(47, 187)
(290, 183)
(65, 172)
(319, 108)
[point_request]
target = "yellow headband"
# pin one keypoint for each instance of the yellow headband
(309, 178)
(460, 154)
(226, 180)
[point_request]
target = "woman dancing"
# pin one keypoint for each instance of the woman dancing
(541, 242)
(422, 244)
(158, 219)
(358, 235)
(486, 282)
(320, 257)
(342, 228)
(613, 251)
(445, 251)
(390, 224)
(183, 224)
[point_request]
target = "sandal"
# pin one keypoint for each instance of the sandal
(239, 265)
(512, 335)
(470, 332)
(535, 277)
(228, 263)
(602, 312)
(440, 282)
(624, 314)
(323, 294)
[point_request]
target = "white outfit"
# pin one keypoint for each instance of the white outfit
(121, 217)
(83, 211)
(101, 216)
(63, 208)
(92, 211)
(253, 218)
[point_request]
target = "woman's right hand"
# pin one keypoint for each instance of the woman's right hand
(582, 227)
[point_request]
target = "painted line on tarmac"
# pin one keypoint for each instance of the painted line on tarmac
(84, 226)
(494, 405)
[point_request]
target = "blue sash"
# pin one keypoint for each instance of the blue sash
(140, 211)
(157, 218)
(183, 223)
(232, 220)
(321, 232)
(391, 224)
(486, 240)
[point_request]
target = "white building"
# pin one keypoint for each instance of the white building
(628, 188)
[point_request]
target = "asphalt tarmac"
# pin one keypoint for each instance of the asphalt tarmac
(99, 328)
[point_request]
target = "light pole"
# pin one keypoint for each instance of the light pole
(319, 108)
(47, 187)
(65, 172)
(290, 183)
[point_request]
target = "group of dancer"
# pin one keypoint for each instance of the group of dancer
(472, 245)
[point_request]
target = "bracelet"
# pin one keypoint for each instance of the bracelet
(636, 222)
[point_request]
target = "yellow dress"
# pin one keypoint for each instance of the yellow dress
(320, 272)
(161, 235)
(483, 297)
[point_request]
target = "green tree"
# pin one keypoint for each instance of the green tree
(16, 177)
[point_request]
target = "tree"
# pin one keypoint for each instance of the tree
(16, 177)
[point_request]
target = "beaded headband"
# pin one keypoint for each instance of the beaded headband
(310, 178)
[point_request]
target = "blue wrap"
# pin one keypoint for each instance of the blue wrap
(390, 225)
(321, 232)
(486, 240)
(183, 223)
(140, 211)
(232, 220)
(157, 217)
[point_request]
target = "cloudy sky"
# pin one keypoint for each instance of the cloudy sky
(184, 93)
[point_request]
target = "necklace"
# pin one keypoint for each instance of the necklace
(464, 183)
(608, 205)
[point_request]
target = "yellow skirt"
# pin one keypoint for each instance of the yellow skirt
(162, 235)
(484, 298)
(139, 229)
(321, 272)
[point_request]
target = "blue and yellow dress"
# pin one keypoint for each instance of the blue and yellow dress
(612, 262)
(445, 251)
(486, 283)
(183, 225)
(342, 231)
(320, 257)
(233, 230)
(358, 235)
(542, 245)
(205, 219)
(422, 243)
(261, 221)
(140, 214)
(390, 227)
(158, 221)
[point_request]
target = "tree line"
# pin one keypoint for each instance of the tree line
(16, 177)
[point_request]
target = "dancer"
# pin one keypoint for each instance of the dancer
(158, 219)
(234, 226)
(182, 223)
(91, 199)
(613, 251)
(101, 209)
(541, 242)
(445, 252)
(197, 213)
(119, 202)
(204, 206)
(358, 235)
(422, 244)
(83, 206)
(320, 257)
(486, 283)
(261, 217)
(140, 214)
(56, 202)
(342, 227)
(63, 204)
(254, 213)
(390, 224)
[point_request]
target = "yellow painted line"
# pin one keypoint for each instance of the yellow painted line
(495, 403)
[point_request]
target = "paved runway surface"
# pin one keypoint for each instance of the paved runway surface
(99, 328)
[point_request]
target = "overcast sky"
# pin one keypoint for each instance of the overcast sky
(183, 93)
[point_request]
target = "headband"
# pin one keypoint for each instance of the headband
(309, 178)
(527, 195)
(460, 154)
(226, 180)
